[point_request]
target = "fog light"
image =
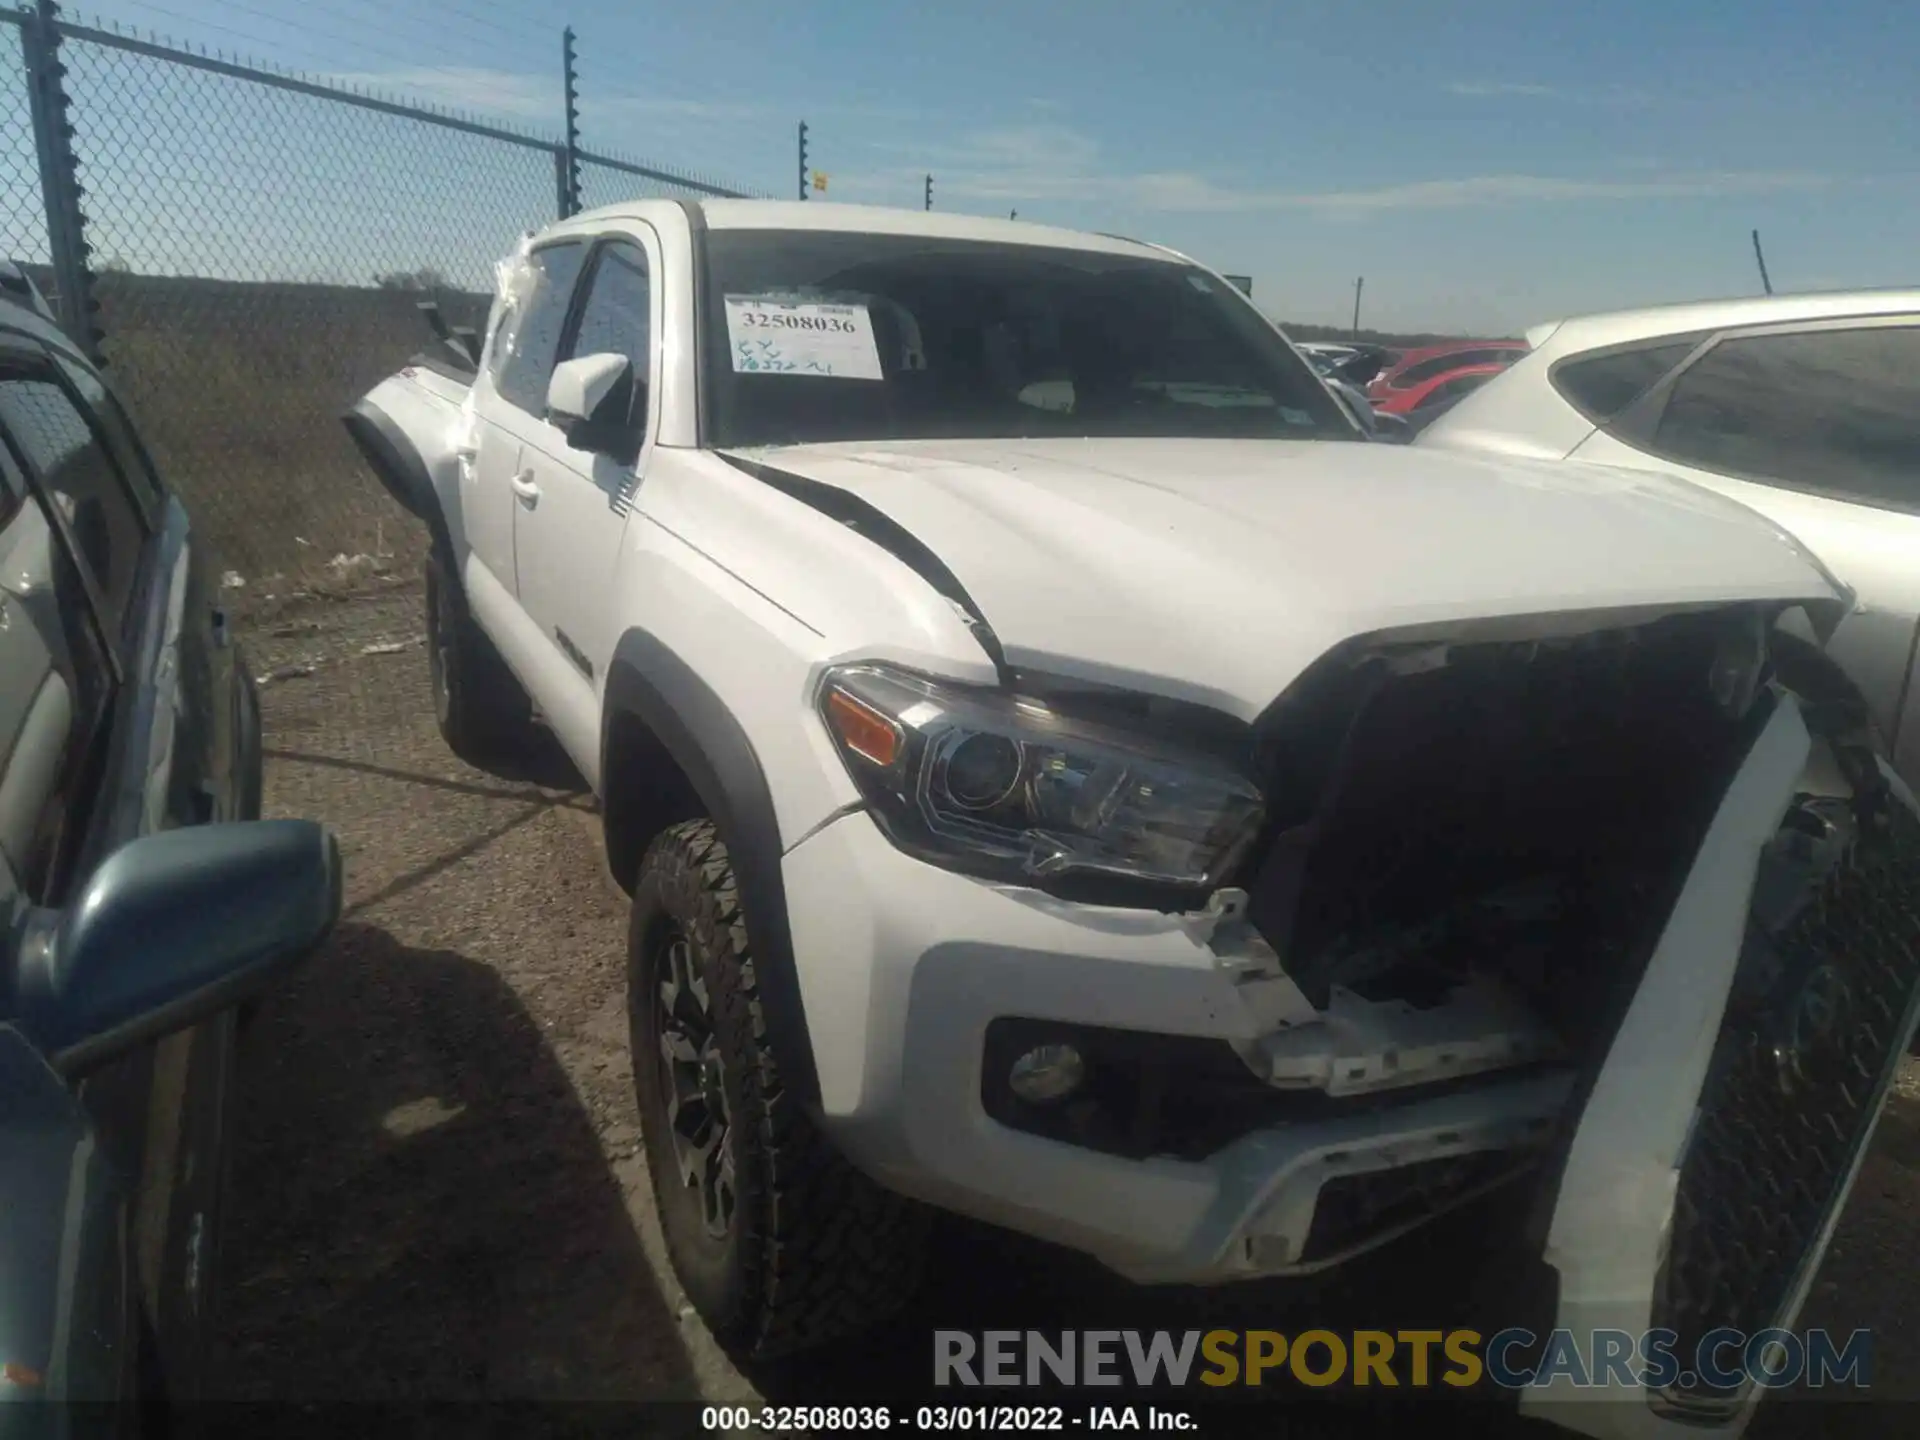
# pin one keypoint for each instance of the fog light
(1047, 1074)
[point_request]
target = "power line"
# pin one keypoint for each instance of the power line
(464, 100)
(269, 51)
(409, 62)
(533, 36)
(519, 36)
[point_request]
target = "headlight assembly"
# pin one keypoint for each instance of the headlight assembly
(1008, 788)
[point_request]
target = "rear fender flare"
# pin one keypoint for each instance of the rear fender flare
(650, 682)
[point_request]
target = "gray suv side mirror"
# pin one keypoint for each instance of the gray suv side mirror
(172, 929)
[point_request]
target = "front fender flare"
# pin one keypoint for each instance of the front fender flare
(700, 734)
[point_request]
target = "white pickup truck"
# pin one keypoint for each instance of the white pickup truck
(1067, 774)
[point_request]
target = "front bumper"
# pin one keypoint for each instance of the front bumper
(904, 966)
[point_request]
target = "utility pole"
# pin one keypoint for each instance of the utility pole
(803, 159)
(1357, 285)
(929, 192)
(1013, 214)
(570, 153)
(1761, 261)
(60, 186)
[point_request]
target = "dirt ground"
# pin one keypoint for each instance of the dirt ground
(438, 1187)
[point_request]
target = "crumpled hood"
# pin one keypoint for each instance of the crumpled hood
(1217, 570)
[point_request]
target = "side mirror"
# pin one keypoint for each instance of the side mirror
(171, 930)
(591, 398)
(1393, 429)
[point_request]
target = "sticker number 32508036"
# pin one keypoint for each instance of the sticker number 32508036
(780, 337)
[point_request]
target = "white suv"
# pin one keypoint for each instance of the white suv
(1065, 773)
(1806, 407)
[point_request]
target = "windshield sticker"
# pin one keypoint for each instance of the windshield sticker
(1199, 282)
(783, 337)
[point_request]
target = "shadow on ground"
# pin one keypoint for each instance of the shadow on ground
(1457, 1273)
(986, 1279)
(420, 1208)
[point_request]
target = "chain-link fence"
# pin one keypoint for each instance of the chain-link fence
(259, 245)
(23, 219)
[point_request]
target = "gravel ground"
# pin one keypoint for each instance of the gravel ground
(438, 1186)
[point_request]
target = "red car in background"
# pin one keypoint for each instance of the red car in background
(1437, 390)
(1416, 368)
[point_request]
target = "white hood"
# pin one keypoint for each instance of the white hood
(1217, 570)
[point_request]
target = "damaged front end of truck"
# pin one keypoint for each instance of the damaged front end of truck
(1646, 886)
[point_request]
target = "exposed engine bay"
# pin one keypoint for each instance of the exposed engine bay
(1471, 853)
(1474, 847)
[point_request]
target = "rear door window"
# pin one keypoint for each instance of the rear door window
(55, 686)
(1601, 386)
(1832, 410)
(50, 435)
(122, 440)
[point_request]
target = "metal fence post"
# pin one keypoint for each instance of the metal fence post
(60, 188)
(570, 153)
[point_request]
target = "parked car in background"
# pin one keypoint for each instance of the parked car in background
(1804, 407)
(1332, 363)
(1064, 775)
(1325, 354)
(1391, 428)
(1366, 362)
(1354, 364)
(1417, 367)
(1439, 390)
(141, 897)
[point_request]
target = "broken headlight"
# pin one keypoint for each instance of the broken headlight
(1008, 788)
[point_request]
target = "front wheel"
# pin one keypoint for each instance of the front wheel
(782, 1246)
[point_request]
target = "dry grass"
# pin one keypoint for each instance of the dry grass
(238, 390)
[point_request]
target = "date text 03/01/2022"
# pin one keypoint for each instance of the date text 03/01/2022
(822, 1419)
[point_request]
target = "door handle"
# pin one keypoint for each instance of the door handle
(524, 487)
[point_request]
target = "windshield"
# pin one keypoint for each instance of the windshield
(821, 336)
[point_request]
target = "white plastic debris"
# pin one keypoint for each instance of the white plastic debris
(513, 281)
(343, 565)
(232, 580)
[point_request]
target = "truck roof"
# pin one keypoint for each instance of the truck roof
(883, 220)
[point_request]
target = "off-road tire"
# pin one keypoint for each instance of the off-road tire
(482, 710)
(816, 1251)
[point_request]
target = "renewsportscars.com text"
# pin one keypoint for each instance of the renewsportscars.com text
(1510, 1359)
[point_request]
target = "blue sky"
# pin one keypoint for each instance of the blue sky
(1484, 164)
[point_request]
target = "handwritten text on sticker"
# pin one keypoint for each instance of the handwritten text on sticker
(782, 337)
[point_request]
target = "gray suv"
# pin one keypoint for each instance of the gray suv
(141, 897)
